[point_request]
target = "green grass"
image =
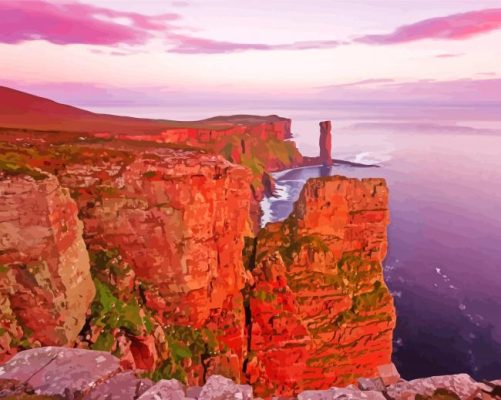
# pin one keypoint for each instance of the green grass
(11, 168)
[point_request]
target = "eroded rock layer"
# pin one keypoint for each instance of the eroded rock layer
(164, 230)
(321, 312)
(165, 233)
(258, 143)
(45, 282)
(303, 306)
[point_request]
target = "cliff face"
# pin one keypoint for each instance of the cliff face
(179, 292)
(164, 229)
(173, 222)
(258, 143)
(322, 314)
(45, 283)
(325, 143)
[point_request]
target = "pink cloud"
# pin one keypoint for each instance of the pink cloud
(194, 45)
(75, 23)
(448, 55)
(452, 27)
(360, 83)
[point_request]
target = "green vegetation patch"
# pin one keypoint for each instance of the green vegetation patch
(109, 313)
(12, 165)
(365, 303)
(186, 343)
(108, 310)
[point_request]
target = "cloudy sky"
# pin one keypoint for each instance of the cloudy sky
(131, 53)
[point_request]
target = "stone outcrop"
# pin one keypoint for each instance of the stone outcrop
(45, 282)
(325, 149)
(325, 143)
(165, 232)
(321, 312)
(54, 371)
(258, 143)
(61, 373)
(68, 374)
(462, 385)
(164, 229)
(221, 388)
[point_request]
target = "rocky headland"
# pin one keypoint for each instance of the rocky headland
(136, 245)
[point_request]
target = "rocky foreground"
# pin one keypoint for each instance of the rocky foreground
(60, 373)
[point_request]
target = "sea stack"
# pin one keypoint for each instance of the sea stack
(325, 143)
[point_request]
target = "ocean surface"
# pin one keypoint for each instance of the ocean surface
(443, 168)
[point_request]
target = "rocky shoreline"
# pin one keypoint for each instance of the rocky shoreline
(53, 373)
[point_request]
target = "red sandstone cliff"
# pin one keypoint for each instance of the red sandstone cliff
(174, 221)
(165, 231)
(322, 314)
(259, 143)
(45, 283)
(165, 226)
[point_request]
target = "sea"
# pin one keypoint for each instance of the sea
(443, 168)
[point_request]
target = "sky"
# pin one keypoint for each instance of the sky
(180, 53)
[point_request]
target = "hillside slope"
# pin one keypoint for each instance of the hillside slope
(22, 110)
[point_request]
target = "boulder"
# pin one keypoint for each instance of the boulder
(56, 371)
(371, 384)
(220, 388)
(123, 386)
(165, 390)
(462, 385)
(388, 374)
(340, 394)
